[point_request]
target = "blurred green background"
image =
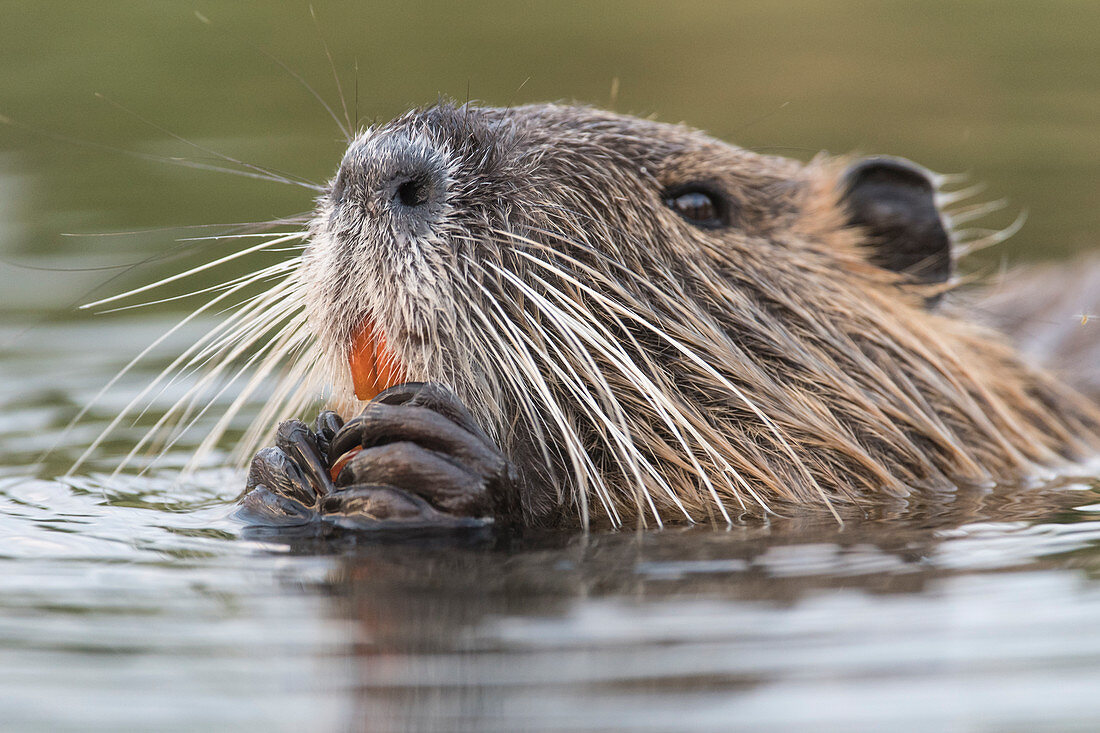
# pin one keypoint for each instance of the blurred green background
(1006, 91)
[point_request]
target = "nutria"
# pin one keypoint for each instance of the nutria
(562, 315)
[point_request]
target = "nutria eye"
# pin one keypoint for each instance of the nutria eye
(699, 206)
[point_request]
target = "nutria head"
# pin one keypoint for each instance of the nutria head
(658, 325)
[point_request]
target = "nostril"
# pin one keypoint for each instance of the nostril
(413, 192)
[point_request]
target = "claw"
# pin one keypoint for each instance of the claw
(298, 442)
(383, 507)
(436, 398)
(350, 436)
(381, 423)
(450, 486)
(338, 465)
(326, 427)
(263, 506)
(414, 457)
(279, 473)
(401, 393)
(378, 503)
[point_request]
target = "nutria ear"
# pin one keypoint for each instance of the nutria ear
(895, 202)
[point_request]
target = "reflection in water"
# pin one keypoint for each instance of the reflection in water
(980, 615)
(780, 627)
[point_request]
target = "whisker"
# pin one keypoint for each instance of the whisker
(131, 364)
(700, 363)
(276, 346)
(574, 331)
(993, 238)
(346, 132)
(195, 270)
(350, 129)
(526, 366)
(299, 219)
(965, 214)
(655, 395)
(255, 170)
(267, 273)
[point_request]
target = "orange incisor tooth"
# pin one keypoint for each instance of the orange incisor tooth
(374, 367)
(337, 467)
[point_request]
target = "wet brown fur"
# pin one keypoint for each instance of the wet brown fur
(675, 373)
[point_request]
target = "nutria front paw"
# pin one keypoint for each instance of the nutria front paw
(413, 457)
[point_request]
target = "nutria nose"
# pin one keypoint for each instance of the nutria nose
(413, 192)
(395, 174)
